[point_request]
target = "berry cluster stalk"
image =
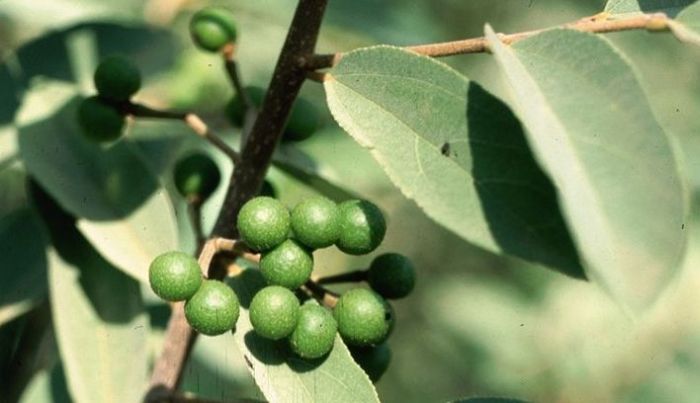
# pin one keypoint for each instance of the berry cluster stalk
(248, 176)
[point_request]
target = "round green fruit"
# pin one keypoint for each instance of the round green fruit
(304, 120)
(316, 222)
(212, 28)
(288, 265)
(196, 175)
(392, 275)
(235, 108)
(213, 309)
(175, 276)
(274, 312)
(363, 317)
(362, 227)
(117, 78)
(373, 360)
(315, 332)
(100, 121)
(263, 223)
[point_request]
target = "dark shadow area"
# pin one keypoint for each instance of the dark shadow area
(246, 285)
(269, 352)
(301, 365)
(158, 315)
(519, 201)
(59, 386)
(674, 6)
(110, 291)
(98, 183)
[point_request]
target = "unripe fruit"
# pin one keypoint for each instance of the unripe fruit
(212, 28)
(99, 121)
(392, 275)
(363, 317)
(315, 332)
(235, 108)
(304, 120)
(263, 223)
(196, 175)
(175, 276)
(373, 360)
(117, 78)
(288, 265)
(274, 312)
(362, 227)
(213, 309)
(316, 222)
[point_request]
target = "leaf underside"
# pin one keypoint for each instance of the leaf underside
(592, 129)
(453, 148)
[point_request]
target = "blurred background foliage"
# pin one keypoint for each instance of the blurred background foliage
(478, 324)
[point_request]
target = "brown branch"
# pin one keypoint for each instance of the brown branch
(201, 129)
(194, 212)
(267, 130)
(651, 22)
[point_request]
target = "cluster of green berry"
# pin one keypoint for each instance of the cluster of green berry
(211, 307)
(361, 316)
(101, 117)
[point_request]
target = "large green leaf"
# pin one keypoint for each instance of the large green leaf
(670, 7)
(22, 248)
(453, 148)
(101, 325)
(591, 127)
(686, 26)
(121, 207)
(282, 376)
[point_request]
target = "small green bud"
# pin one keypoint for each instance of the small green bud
(117, 78)
(274, 312)
(263, 223)
(175, 276)
(213, 309)
(100, 121)
(288, 265)
(362, 227)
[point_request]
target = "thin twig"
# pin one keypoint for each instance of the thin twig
(194, 211)
(323, 295)
(354, 276)
(201, 129)
(235, 76)
(652, 22)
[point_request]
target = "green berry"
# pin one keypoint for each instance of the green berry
(213, 309)
(274, 312)
(304, 120)
(99, 120)
(196, 175)
(288, 265)
(363, 317)
(373, 360)
(263, 223)
(392, 275)
(362, 227)
(315, 332)
(212, 28)
(175, 276)
(316, 222)
(235, 108)
(117, 78)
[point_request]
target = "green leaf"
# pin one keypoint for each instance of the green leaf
(47, 386)
(453, 148)
(670, 7)
(22, 248)
(101, 325)
(592, 129)
(120, 205)
(686, 26)
(284, 377)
